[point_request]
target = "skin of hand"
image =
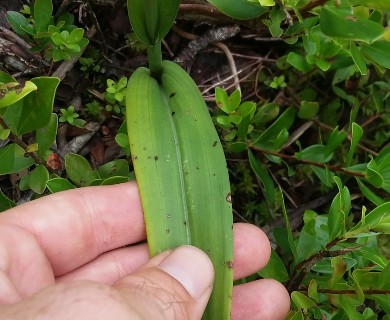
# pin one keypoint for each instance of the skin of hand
(64, 257)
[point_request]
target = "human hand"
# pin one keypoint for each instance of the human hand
(63, 257)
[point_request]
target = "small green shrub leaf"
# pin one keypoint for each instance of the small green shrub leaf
(275, 268)
(59, 184)
(46, 136)
(16, 20)
(308, 110)
(118, 167)
(264, 177)
(34, 111)
(337, 23)
(79, 170)
(239, 9)
(42, 14)
(358, 58)
(357, 133)
(16, 93)
(5, 203)
(13, 159)
(378, 52)
(302, 301)
(299, 62)
(38, 179)
(339, 211)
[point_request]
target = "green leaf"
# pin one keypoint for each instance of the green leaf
(15, 93)
(312, 238)
(222, 99)
(339, 210)
(308, 110)
(277, 16)
(5, 203)
(374, 217)
(290, 236)
(264, 177)
(266, 113)
(357, 133)
(275, 268)
(59, 184)
(115, 180)
(299, 62)
(374, 176)
(302, 301)
(370, 195)
(335, 139)
(38, 179)
(118, 167)
(315, 152)
(384, 279)
(338, 23)
(13, 159)
(16, 20)
(358, 58)
(79, 170)
(42, 14)
(75, 36)
(378, 52)
(239, 9)
(234, 100)
(46, 136)
(373, 4)
(34, 111)
(283, 122)
(349, 308)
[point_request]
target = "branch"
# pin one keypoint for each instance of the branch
(309, 162)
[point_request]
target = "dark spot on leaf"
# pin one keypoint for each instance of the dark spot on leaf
(155, 158)
(185, 223)
(197, 168)
(172, 94)
(167, 231)
(135, 158)
(229, 198)
(215, 143)
(229, 264)
(173, 113)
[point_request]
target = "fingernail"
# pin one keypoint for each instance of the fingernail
(191, 267)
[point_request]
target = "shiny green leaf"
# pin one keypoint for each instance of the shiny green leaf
(13, 159)
(239, 9)
(59, 184)
(79, 170)
(34, 110)
(38, 179)
(45, 136)
(337, 23)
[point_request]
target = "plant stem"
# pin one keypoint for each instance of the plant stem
(155, 60)
(312, 163)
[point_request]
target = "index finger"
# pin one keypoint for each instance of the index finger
(74, 227)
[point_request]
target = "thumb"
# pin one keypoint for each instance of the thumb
(173, 285)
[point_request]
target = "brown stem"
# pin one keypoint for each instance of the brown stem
(348, 291)
(312, 163)
(304, 267)
(312, 5)
(14, 138)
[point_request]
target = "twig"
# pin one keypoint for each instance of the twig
(347, 291)
(309, 162)
(198, 44)
(232, 64)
